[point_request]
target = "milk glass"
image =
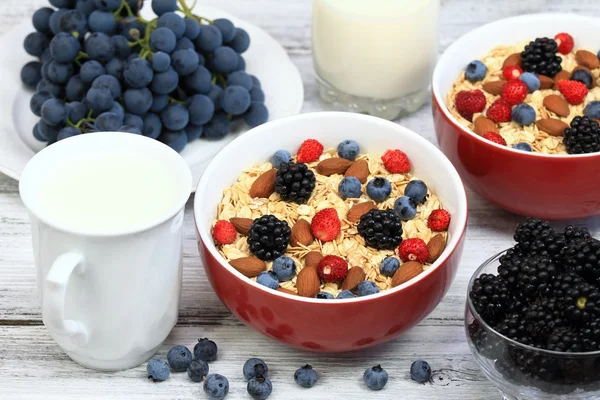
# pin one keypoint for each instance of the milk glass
(375, 56)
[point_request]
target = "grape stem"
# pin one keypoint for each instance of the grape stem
(125, 6)
(172, 100)
(80, 56)
(187, 11)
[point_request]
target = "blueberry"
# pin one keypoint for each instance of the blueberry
(255, 367)
(475, 71)
(259, 388)
(268, 279)
(416, 190)
(367, 288)
(375, 378)
(280, 157)
(522, 146)
(379, 189)
(348, 149)
(306, 376)
(345, 294)
(405, 207)
(420, 371)
(523, 114)
(284, 268)
(205, 350)
(583, 76)
(216, 387)
(349, 187)
(197, 370)
(592, 110)
(531, 80)
(324, 295)
(158, 370)
(389, 266)
(179, 358)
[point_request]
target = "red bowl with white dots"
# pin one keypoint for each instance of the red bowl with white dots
(330, 325)
(532, 184)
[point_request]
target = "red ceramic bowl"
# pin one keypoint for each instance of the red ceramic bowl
(531, 184)
(330, 325)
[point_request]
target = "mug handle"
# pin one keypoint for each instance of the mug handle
(55, 292)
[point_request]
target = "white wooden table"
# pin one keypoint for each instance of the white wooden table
(33, 367)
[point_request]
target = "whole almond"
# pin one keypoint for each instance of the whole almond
(333, 166)
(264, 185)
(435, 247)
(248, 266)
(494, 87)
(241, 225)
(284, 290)
(513, 59)
(553, 127)
(483, 125)
(358, 210)
(557, 104)
(301, 234)
(546, 82)
(307, 282)
(406, 272)
(355, 276)
(359, 169)
(587, 59)
(312, 259)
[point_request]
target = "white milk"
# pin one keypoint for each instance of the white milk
(382, 49)
(108, 192)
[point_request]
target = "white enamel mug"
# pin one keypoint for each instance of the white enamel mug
(109, 298)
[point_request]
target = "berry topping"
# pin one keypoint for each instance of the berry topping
(379, 189)
(367, 288)
(469, 102)
(405, 207)
(324, 295)
(475, 71)
(573, 91)
(381, 229)
(523, 114)
(294, 182)
(565, 43)
(375, 378)
(584, 76)
(332, 269)
(348, 149)
(349, 188)
(592, 110)
(345, 294)
(326, 225)
(268, 279)
(511, 72)
(268, 237)
(438, 220)
(413, 249)
(389, 266)
(309, 151)
(395, 162)
(531, 80)
(583, 136)
(224, 232)
(522, 146)
(495, 137)
(280, 157)
(284, 268)
(499, 111)
(416, 190)
(420, 371)
(514, 92)
(540, 57)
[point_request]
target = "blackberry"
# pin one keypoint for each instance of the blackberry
(540, 57)
(381, 229)
(573, 233)
(579, 301)
(294, 182)
(582, 256)
(564, 339)
(535, 274)
(548, 244)
(590, 336)
(513, 326)
(583, 136)
(540, 319)
(491, 298)
(529, 230)
(268, 237)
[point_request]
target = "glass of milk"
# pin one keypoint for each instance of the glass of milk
(375, 56)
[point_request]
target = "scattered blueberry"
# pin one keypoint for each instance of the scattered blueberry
(158, 370)
(324, 295)
(280, 157)
(367, 288)
(523, 114)
(349, 187)
(420, 371)
(389, 266)
(531, 80)
(205, 350)
(179, 358)
(197, 370)
(475, 71)
(268, 279)
(592, 110)
(522, 146)
(345, 294)
(405, 207)
(255, 367)
(306, 376)
(285, 268)
(375, 378)
(379, 189)
(416, 190)
(216, 386)
(259, 388)
(583, 76)
(348, 149)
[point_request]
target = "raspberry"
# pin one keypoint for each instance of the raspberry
(332, 269)
(438, 220)
(469, 102)
(573, 91)
(495, 137)
(310, 150)
(396, 162)
(499, 111)
(413, 250)
(514, 92)
(326, 225)
(512, 72)
(565, 43)
(224, 232)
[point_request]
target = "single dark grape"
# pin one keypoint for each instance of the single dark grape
(35, 43)
(193, 132)
(63, 3)
(159, 102)
(172, 21)
(138, 73)
(117, 108)
(86, 7)
(152, 125)
(225, 60)
(160, 61)
(55, 19)
(48, 132)
(60, 72)
(76, 111)
(175, 117)
(107, 5)
(163, 6)
(209, 39)
(102, 21)
(41, 20)
(38, 98)
(256, 94)
(64, 47)
(184, 62)
(109, 82)
(54, 112)
(201, 109)
(192, 28)
(99, 47)
(37, 135)
(133, 120)
(46, 86)
(100, 99)
(174, 139)
(257, 114)
(241, 41)
(31, 74)
(165, 82)
(137, 101)
(74, 22)
(162, 39)
(67, 132)
(115, 67)
(121, 45)
(200, 80)
(108, 122)
(90, 70)
(76, 89)
(130, 129)
(185, 43)
(218, 127)
(240, 78)
(236, 100)
(216, 94)
(226, 27)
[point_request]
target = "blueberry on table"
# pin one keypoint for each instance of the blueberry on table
(375, 378)
(306, 376)
(420, 371)
(216, 386)
(179, 358)
(259, 387)
(197, 370)
(158, 370)
(205, 350)
(255, 367)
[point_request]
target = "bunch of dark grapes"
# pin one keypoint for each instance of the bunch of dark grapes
(102, 67)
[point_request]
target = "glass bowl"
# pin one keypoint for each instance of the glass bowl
(523, 372)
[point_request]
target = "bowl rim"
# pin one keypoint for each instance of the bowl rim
(451, 51)
(206, 237)
(477, 317)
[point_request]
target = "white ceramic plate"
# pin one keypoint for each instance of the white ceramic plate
(280, 80)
